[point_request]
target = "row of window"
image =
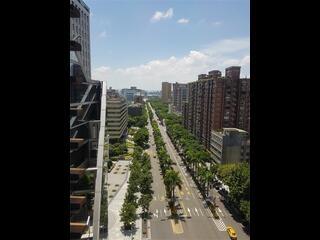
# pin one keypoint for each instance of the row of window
(82, 13)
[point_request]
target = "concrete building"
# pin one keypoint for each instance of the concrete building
(243, 104)
(231, 145)
(80, 31)
(203, 111)
(179, 95)
(166, 92)
(215, 102)
(135, 109)
(138, 99)
(117, 115)
(87, 138)
(130, 93)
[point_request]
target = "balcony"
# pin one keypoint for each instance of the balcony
(74, 12)
(76, 174)
(75, 46)
(76, 203)
(77, 229)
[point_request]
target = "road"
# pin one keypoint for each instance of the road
(198, 222)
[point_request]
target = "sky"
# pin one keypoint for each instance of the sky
(145, 42)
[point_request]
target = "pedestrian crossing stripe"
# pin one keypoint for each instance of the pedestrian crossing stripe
(220, 225)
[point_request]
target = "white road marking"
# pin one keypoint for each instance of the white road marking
(200, 211)
(221, 212)
(196, 210)
(189, 212)
(219, 223)
(192, 195)
(156, 214)
(165, 213)
(154, 197)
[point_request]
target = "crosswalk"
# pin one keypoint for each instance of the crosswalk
(183, 196)
(220, 224)
(188, 212)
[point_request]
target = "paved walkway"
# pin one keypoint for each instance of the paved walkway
(115, 231)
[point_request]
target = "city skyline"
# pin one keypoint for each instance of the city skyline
(142, 44)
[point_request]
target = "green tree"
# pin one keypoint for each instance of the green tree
(245, 209)
(206, 177)
(141, 137)
(128, 214)
(172, 180)
(144, 202)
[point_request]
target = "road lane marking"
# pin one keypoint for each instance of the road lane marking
(165, 212)
(176, 226)
(219, 223)
(189, 212)
(220, 212)
(196, 210)
(201, 211)
(162, 198)
(154, 197)
(181, 192)
(184, 209)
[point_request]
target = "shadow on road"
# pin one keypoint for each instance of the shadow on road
(128, 233)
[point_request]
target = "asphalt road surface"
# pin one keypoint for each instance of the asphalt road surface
(196, 221)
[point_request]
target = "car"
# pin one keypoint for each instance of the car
(232, 233)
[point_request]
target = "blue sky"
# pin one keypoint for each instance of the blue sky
(142, 43)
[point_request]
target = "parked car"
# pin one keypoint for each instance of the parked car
(232, 233)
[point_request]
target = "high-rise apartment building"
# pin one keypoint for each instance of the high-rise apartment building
(117, 115)
(215, 102)
(231, 145)
(80, 32)
(166, 92)
(243, 104)
(179, 95)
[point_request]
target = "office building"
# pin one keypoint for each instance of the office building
(166, 92)
(87, 116)
(131, 93)
(179, 95)
(117, 115)
(231, 145)
(80, 31)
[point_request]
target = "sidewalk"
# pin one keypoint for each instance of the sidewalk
(115, 231)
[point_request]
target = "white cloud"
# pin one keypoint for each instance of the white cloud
(218, 55)
(157, 16)
(103, 34)
(183, 20)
